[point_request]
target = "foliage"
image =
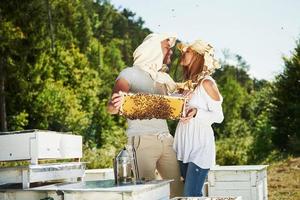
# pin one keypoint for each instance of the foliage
(286, 113)
(60, 59)
(262, 129)
(233, 150)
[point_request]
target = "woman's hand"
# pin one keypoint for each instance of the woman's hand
(187, 94)
(191, 112)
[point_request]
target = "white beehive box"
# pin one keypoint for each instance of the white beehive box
(41, 173)
(248, 181)
(34, 145)
(207, 198)
(92, 190)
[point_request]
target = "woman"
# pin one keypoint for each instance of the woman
(194, 138)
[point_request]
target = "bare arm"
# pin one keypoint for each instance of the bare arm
(211, 89)
(115, 102)
(215, 114)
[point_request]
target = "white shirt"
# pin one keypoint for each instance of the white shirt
(194, 141)
(140, 81)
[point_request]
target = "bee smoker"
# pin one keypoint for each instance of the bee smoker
(125, 167)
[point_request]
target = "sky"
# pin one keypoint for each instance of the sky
(261, 31)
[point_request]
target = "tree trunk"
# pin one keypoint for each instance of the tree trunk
(99, 49)
(50, 24)
(3, 123)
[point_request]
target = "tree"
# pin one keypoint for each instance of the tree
(61, 59)
(9, 38)
(286, 112)
(262, 130)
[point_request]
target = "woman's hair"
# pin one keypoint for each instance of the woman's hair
(195, 68)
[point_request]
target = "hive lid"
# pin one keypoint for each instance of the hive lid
(238, 167)
(30, 131)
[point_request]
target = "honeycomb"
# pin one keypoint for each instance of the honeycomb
(149, 106)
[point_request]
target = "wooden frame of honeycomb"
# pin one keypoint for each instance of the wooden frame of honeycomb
(149, 106)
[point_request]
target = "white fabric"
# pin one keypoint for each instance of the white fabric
(149, 57)
(194, 141)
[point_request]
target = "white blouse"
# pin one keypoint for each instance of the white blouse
(194, 141)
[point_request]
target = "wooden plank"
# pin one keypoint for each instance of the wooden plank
(265, 181)
(56, 175)
(59, 146)
(245, 194)
(161, 193)
(239, 168)
(71, 146)
(8, 144)
(232, 176)
(33, 142)
(48, 144)
(25, 179)
(10, 176)
(93, 196)
(260, 191)
(98, 174)
(211, 178)
(253, 178)
(24, 195)
(232, 185)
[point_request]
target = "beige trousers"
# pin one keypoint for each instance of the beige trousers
(156, 152)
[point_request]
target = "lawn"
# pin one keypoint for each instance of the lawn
(284, 180)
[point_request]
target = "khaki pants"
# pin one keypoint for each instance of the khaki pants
(155, 152)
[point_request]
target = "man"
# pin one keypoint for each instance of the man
(151, 138)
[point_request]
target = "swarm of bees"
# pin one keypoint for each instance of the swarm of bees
(149, 106)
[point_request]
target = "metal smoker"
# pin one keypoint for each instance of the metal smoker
(125, 167)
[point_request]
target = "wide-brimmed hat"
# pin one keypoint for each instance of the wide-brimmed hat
(205, 49)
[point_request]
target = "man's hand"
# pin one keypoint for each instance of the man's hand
(191, 112)
(116, 101)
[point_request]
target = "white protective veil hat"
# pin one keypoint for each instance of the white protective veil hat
(148, 56)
